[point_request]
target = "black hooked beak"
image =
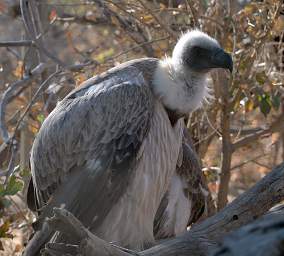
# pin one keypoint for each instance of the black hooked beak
(221, 59)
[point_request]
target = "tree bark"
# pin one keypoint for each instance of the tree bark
(260, 238)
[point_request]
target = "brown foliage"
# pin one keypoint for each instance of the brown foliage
(239, 135)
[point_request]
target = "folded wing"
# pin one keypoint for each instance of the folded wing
(85, 152)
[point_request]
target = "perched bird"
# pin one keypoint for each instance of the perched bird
(109, 151)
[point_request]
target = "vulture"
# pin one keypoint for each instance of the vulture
(109, 150)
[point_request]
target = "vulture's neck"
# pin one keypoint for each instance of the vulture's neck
(181, 91)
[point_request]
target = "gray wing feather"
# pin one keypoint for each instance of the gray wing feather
(85, 151)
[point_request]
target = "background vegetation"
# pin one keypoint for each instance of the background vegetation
(56, 45)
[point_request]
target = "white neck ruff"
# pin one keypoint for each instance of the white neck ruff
(180, 90)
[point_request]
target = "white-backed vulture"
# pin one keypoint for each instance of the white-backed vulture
(109, 150)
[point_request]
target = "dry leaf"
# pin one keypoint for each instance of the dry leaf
(52, 15)
(19, 71)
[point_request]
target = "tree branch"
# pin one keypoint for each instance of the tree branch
(226, 144)
(29, 17)
(262, 237)
(12, 91)
(16, 43)
(89, 245)
(203, 237)
(276, 126)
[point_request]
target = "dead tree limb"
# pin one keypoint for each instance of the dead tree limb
(203, 237)
(260, 238)
(89, 245)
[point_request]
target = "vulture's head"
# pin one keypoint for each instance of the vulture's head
(181, 80)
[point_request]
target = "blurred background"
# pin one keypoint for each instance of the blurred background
(56, 45)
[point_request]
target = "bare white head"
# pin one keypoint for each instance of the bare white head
(181, 81)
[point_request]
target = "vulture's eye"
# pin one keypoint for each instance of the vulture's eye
(199, 52)
(197, 49)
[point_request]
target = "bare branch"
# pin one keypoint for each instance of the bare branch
(247, 161)
(68, 224)
(226, 145)
(39, 90)
(276, 126)
(193, 14)
(201, 238)
(29, 16)
(10, 169)
(262, 237)
(16, 43)
(131, 27)
(245, 131)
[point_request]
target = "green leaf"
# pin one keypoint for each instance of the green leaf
(25, 173)
(4, 228)
(5, 202)
(2, 190)
(264, 103)
(12, 188)
(276, 101)
(261, 77)
(40, 118)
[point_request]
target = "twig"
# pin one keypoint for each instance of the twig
(39, 90)
(14, 53)
(191, 8)
(80, 66)
(10, 170)
(211, 125)
(245, 131)
(11, 92)
(82, 20)
(248, 161)
(133, 29)
(138, 46)
(276, 126)
(159, 21)
(122, 8)
(261, 164)
(20, 211)
(16, 43)
(28, 15)
(3, 146)
(208, 136)
(221, 26)
(66, 5)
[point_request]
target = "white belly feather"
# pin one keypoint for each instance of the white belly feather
(130, 221)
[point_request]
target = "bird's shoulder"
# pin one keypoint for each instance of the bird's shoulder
(130, 71)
